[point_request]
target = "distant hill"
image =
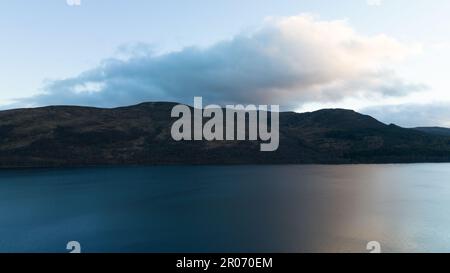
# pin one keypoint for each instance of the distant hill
(62, 136)
(440, 131)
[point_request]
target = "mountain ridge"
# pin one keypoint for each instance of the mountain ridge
(66, 136)
(441, 131)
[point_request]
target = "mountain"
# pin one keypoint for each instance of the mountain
(58, 136)
(440, 131)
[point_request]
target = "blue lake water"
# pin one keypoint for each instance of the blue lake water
(291, 208)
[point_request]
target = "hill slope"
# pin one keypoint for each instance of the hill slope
(140, 134)
(440, 131)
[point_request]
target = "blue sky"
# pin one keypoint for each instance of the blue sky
(44, 42)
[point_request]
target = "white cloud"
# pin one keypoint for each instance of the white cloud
(374, 2)
(288, 61)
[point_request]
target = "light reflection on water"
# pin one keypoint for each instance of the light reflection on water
(289, 208)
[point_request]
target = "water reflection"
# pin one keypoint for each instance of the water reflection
(227, 209)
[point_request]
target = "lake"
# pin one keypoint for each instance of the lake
(287, 208)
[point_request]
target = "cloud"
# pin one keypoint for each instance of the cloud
(412, 115)
(374, 2)
(288, 61)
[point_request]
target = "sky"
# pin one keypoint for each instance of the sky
(386, 58)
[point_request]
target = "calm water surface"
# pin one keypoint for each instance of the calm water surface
(227, 209)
